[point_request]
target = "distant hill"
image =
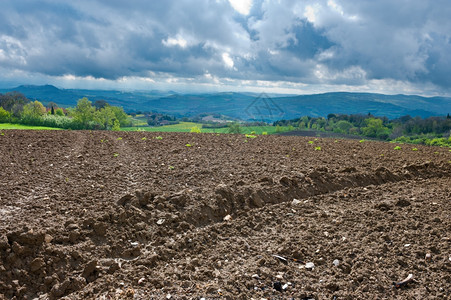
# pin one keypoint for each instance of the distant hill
(248, 106)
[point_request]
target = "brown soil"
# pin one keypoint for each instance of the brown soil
(117, 215)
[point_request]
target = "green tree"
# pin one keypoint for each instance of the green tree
(52, 106)
(116, 125)
(234, 128)
(375, 128)
(121, 116)
(83, 112)
(59, 112)
(5, 116)
(320, 123)
(331, 116)
(14, 103)
(32, 112)
(99, 104)
(105, 117)
(342, 126)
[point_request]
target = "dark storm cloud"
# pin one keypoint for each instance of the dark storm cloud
(324, 42)
(392, 39)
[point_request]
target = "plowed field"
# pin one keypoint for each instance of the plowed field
(135, 215)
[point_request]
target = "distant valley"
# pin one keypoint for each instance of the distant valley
(248, 106)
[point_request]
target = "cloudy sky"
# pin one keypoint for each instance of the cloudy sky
(300, 47)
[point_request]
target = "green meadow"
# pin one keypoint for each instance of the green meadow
(188, 127)
(5, 126)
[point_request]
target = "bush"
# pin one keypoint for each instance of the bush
(441, 142)
(5, 116)
(58, 122)
(116, 125)
(342, 126)
(59, 112)
(234, 128)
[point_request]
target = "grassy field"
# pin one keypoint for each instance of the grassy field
(187, 126)
(139, 120)
(5, 126)
(181, 127)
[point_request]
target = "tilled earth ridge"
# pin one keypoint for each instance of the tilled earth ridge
(129, 215)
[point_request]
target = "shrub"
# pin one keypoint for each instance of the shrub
(5, 116)
(116, 125)
(58, 122)
(234, 128)
(59, 112)
(343, 126)
(195, 129)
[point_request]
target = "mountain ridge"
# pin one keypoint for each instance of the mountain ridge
(246, 105)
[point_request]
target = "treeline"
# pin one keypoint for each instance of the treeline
(430, 131)
(158, 119)
(18, 109)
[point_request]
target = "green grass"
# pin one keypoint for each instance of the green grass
(6, 126)
(187, 126)
(139, 120)
(181, 127)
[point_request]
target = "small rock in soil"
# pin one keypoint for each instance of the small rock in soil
(100, 229)
(3, 242)
(124, 200)
(309, 265)
(90, 270)
(227, 218)
(37, 264)
(295, 202)
(402, 203)
(277, 286)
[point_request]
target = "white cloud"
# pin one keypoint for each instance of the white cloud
(228, 61)
(178, 41)
(332, 4)
(241, 6)
(310, 13)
